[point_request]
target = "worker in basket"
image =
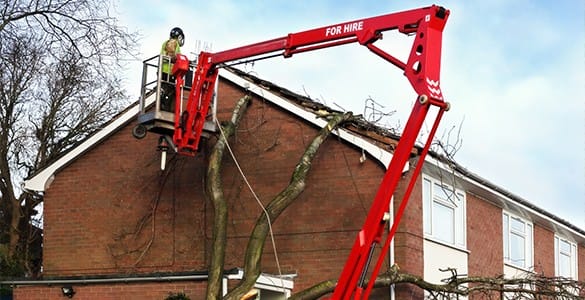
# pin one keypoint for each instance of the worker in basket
(169, 50)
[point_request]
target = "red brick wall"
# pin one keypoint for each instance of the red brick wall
(95, 205)
(484, 237)
(408, 241)
(544, 251)
(120, 291)
(98, 210)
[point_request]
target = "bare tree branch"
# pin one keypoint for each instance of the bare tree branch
(84, 25)
(528, 287)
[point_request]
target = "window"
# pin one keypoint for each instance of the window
(517, 241)
(267, 287)
(444, 213)
(267, 294)
(565, 258)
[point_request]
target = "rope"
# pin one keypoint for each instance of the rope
(255, 197)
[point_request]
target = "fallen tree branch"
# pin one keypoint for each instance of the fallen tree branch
(254, 250)
(533, 286)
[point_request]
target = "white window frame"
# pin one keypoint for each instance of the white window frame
(571, 254)
(450, 198)
(526, 233)
(277, 293)
(280, 285)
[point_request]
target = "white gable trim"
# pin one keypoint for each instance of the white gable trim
(41, 181)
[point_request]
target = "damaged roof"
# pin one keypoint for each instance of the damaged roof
(373, 139)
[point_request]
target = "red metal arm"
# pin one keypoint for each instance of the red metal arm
(422, 68)
(423, 72)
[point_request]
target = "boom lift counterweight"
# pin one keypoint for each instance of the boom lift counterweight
(422, 69)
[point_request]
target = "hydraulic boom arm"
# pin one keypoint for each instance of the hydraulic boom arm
(423, 72)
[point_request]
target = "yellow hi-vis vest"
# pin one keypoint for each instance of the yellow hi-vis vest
(170, 48)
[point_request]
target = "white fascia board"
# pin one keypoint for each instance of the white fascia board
(41, 181)
(285, 281)
(378, 153)
(271, 281)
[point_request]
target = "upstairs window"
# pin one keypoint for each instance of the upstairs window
(565, 258)
(518, 246)
(444, 213)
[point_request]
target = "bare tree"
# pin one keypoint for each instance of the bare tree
(59, 66)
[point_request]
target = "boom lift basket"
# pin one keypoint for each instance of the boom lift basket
(157, 113)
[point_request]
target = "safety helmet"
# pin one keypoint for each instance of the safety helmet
(177, 33)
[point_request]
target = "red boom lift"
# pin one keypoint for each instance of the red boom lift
(423, 72)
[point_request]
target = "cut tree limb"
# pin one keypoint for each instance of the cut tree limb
(254, 250)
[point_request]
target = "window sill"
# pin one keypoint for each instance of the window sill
(439, 242)
(515, 267)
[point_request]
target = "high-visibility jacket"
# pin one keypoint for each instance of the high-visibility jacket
(169, 48)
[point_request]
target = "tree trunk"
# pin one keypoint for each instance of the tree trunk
(215, 192)
(14, 225)
(12, 207)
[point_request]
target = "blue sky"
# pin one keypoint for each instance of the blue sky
(514, 72)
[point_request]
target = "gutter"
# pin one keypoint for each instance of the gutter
(50, 282)
(231, 274)
(521, 201)
(104, 279)
(495, 189)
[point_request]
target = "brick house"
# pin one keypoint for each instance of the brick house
(116, 227)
